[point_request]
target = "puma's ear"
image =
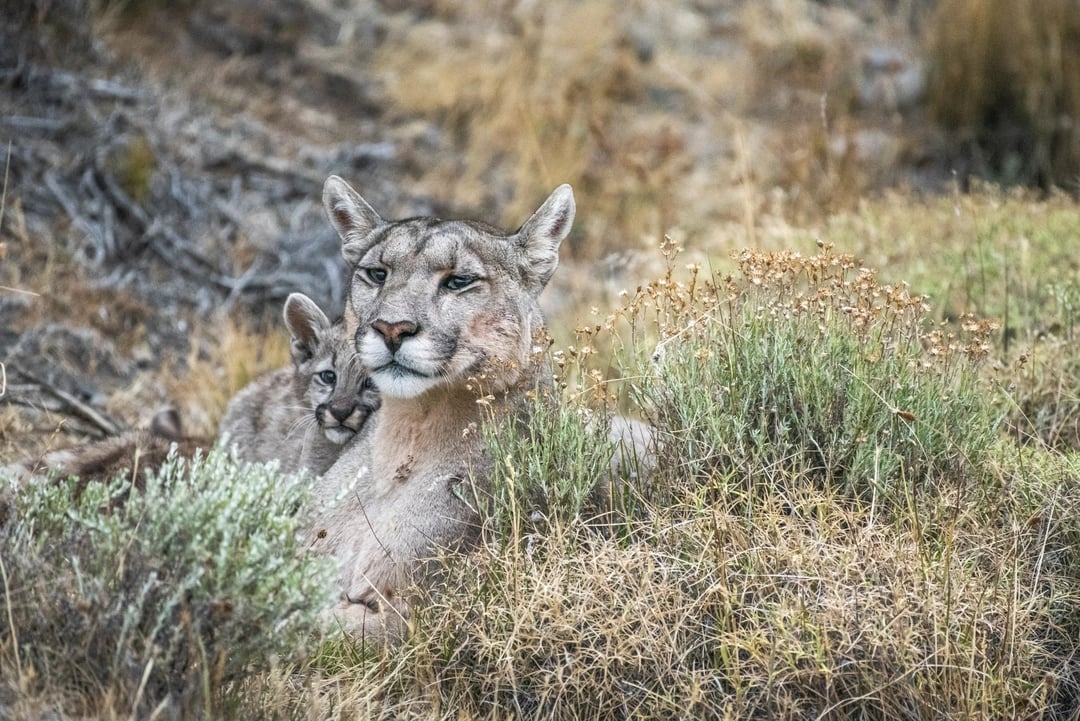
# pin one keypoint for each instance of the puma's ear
(541, 235)
(166, 424)
(307, 325)
(351, 216)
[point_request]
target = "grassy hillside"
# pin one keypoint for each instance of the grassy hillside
(865, 505)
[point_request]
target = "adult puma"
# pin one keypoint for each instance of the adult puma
(444, 315)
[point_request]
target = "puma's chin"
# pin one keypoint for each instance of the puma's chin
(338, 434)
(397, 381)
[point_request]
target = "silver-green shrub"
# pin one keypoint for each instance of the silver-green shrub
(166, 597)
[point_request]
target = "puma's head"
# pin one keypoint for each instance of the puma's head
(329, 375)
(436, 302)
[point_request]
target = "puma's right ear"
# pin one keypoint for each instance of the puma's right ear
(166, 424)
(307, 325)
(351, 216)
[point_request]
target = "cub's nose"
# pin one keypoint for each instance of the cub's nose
(341, 411)
(394, 334)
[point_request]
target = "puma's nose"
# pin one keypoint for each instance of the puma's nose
(342, 411)
(394, 334)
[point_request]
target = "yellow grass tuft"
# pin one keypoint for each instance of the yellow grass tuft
(219, 365)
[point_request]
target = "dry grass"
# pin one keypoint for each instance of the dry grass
(546, 97)
(222, 361)
(1019, 66)
(747, 583)
(664, 120)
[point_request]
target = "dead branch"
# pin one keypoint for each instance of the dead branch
(74, 405)
(71, 208)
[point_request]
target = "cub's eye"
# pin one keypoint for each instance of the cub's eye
(458, 282)
(328, 377)
(376, 275)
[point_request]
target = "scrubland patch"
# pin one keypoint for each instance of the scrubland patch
(866, 499)
(844, 520)
(154, 602)
(838, 525)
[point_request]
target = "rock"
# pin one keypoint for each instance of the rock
(890, 79)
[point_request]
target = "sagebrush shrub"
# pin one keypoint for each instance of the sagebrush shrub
(550, 465)
(808, 367)
(164, 598)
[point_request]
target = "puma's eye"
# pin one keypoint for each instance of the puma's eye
(376, 275)
(458, 282)
(328, 377)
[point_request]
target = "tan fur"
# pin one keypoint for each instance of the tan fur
(436, 305)
(131, 455)
(293, 415)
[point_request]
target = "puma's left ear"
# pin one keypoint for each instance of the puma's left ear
(541, 235)
(307, 325)
(351, 216)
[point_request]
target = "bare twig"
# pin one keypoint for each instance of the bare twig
(26, 122)
(19, 395)
(72, 84)
(69, 205)
(3, 205)
(3, 192)
(11, 621)
(77, 407)
(19, 290)
(114, 91)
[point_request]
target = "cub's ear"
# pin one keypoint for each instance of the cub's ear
(540, 236)
(351, 216)
(307, 325)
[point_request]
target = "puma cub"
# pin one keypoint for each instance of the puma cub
(303, 414)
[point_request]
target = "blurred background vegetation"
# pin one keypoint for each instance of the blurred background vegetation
(165, 161)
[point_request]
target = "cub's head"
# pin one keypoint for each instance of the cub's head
(435, 302)
(329, 377)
